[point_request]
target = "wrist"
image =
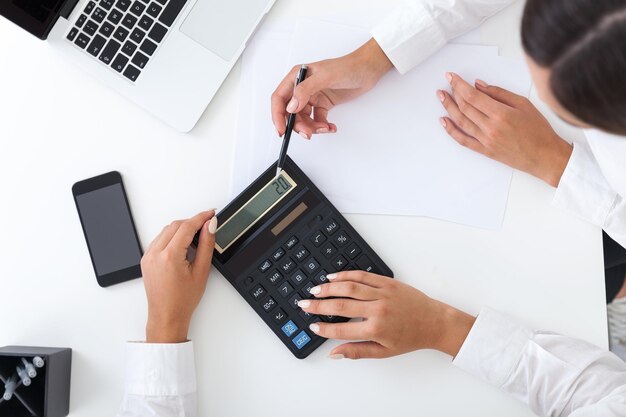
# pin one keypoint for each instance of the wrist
(166, 331)
(556, 162)
(372, 57)
(455, 327)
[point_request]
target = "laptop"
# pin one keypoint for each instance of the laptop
(168, 56)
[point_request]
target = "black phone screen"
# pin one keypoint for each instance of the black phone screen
(109, 229)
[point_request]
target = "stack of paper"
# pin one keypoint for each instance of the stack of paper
(391, 155)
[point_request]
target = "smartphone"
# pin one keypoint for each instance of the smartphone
(109, 229)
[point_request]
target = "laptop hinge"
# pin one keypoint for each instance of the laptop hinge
(67, 8)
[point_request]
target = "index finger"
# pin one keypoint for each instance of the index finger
(280, 97)
(475, 97)
(184, 235)
(367, 278)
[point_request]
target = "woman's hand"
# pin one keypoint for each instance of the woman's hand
(505, 127)
(398, 318)
(174, 285)
(328, 84)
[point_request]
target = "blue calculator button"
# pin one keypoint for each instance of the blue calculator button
(301, 340)
(289, 328)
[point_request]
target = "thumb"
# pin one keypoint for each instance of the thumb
(360, 350)
(500, 94)
(303, 93)
(206, 245)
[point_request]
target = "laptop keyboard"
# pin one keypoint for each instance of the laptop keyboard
(124, 34)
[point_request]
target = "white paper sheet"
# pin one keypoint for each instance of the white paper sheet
(390, 156)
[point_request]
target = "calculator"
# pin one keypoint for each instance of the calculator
(278, 239)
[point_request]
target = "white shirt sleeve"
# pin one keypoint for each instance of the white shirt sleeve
(553, 374)
(585, 191)
(160, 381)
(418, 28)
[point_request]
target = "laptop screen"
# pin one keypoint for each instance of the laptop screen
(35, 16)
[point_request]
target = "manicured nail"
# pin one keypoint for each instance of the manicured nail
(213, 225)
(304, 304)
(481, 83)
(322, 130)
(337, 356)
(443, 122)
(293, 105)
(331, 277)
(441, 95)
(304, 135)
(315, 290)
(449, 76)
(315, 328)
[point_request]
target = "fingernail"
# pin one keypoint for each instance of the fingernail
(293, 105)
(278, 133)
(481, 83)
(213, 225)
(443, 122)
(449, 76)
(441, 96)
(337, 356)
(304, 304)
(315, 290)
(331, 277)
(322, 130)
(304, 135)
(315, 328)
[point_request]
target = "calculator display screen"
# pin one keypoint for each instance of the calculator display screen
(251, 212)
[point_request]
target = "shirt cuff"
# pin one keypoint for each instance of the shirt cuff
(160, 369)
(583, 188)
(409, 35)
(493, 347)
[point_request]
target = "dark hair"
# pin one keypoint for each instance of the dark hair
(583, 43)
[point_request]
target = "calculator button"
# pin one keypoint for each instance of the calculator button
(301, 340)
(328, 250)
(293, 301)
(289, 328)
(275, 277)
(306, 291)
(318, 238)
(306, 315)
(298, 277)
(293, 241)
(258, 292)
(278, 254)
(353, 251)
(331, 227)
(342, 239)
(311, 265)
(279, 316)
(301, 253)
(285, 289)
(265, 266)
(340, 263)
(288, 265)
(320, 277)
(268, 304)
(365, 264)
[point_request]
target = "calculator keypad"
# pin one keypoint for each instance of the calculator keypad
(299, 264)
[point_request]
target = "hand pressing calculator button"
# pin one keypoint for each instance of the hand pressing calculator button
(280, 238)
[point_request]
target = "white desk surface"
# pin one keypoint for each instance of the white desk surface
(58, 125)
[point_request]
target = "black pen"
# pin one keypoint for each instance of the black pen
(291, 121)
